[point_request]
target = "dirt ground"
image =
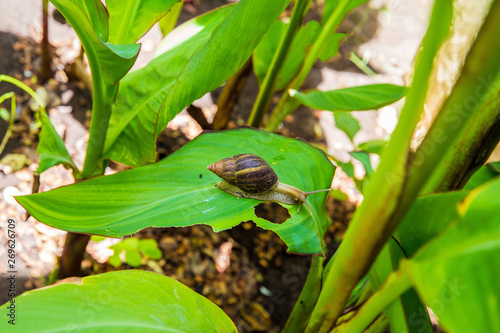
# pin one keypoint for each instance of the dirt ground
(262, 282)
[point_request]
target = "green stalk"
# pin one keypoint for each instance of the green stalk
(102, 97)
(6, 137)
(372, 223)
(267, 89)
(333, 21)
(471, 114)
(24, 87)
(395, 285)
(302, 309)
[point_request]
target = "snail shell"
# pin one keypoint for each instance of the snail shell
(247, 171)
(249, 176)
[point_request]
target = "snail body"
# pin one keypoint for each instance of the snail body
(249, 176)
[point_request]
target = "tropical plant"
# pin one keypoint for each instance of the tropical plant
(418, 239)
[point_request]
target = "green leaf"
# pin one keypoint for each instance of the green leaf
(364, 158)
(141, 92)
(331, 47)
(373, 146)
(51, 148)
(179, 191)
(484, 174)
(457, 273)
(115, 260)
(131, 301)
(368, 97)
(129, 20)
(406, 314)
(267, 47)
(149, 247)
(347, 123)
(89, 19)
(208, 65)
(428, 217)
(133, 258)
(168, 22)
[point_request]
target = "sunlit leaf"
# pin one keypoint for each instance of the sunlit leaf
(89, 19)
(428, 217)
(179, 191)
(359, 98)
(347, 123)
(129, 20)
(51, 148)
(457, 273)
(210, 57)
(122, 301)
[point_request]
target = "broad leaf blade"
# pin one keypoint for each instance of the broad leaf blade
(142, 92)
(129, 20)
(428, 217)
(368, 97)
(210, 64)
(131, 301)
(89, 19)
(457, 273)
(179, 191)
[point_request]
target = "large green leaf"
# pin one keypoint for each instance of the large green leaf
(427, 218)
(141, 92)
(207, 64)
(368, 97)
(129, 20)
(179, 191)
(457, 273)
(89, 19)
(122, 301)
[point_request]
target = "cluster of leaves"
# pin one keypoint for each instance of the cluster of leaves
(406, 239)
(134, 250)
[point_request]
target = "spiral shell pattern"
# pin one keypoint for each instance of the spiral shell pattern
(247, 171)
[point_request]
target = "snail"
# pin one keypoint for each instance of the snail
(249, 176)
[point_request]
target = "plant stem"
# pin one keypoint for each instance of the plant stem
(70, 261)
(6, 137)
(373, 221)
(45, 71)
(471, 114)
(24, 87)
(395, 285)
(333, 21)
(267, 89)
(102, 97)
(302, 309)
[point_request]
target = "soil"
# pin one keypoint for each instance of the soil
(260, 285)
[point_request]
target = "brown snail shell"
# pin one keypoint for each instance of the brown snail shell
(249, 176)
(249, 172)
